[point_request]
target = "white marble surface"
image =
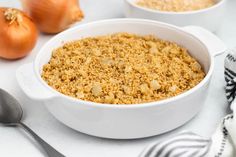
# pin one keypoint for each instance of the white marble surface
(15, 142)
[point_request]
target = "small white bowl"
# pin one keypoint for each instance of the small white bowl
(209, 18)
(124, 121)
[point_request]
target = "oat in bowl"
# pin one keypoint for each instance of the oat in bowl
(204, 13)
(176, 5)
(120, 121)
(122, 68)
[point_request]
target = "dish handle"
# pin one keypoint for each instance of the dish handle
(213, 43)
(30, 85)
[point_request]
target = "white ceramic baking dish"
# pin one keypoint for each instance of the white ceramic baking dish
(124, 121)
(209, 18)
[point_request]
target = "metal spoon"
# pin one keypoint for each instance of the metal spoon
(11, 114)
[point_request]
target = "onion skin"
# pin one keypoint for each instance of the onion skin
(53, 16)
(18, 37)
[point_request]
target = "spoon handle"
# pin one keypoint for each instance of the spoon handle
(51, 152)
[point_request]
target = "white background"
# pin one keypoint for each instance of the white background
(14, 142)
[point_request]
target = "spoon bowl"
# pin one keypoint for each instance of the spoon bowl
(11, 114)
(10, 109)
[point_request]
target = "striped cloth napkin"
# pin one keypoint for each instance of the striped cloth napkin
(223, 141)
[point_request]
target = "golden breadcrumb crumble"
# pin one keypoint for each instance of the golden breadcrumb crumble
(122, 68)
(176, 5)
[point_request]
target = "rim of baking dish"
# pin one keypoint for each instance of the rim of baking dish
(123, 106)
(218, 4)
